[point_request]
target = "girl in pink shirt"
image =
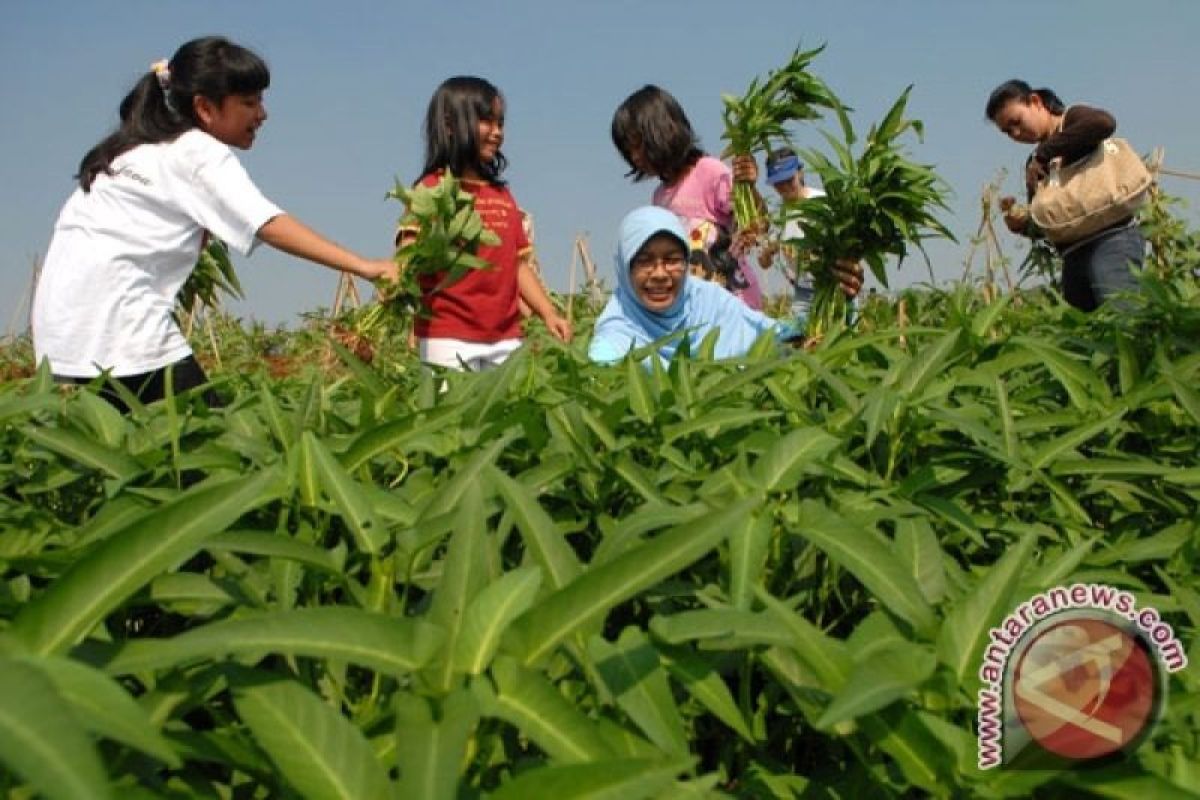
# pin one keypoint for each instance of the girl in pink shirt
(656, 139)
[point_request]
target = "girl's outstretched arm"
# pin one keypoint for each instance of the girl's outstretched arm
(292, 236)
(531, 291)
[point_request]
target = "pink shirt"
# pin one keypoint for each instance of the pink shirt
(703, 200)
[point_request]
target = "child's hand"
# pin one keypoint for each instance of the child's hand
(380, 269)
(559, 328)
(850, 275)
(745, 168)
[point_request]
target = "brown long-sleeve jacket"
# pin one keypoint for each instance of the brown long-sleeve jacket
(1083, 129)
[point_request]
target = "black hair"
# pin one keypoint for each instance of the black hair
(653, 120)
(1015, 89)
(452, 128)
(212, 67)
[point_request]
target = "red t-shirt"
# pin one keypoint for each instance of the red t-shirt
(482, 306)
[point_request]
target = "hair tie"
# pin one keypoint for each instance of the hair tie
(162, 71)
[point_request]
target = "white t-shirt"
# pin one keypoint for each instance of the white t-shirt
(802, 282)
(121, 252)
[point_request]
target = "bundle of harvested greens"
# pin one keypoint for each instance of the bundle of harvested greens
(876, 205)
(446, 234)
(213, 273)
(759, 118)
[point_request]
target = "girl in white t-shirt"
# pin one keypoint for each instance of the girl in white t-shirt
(129, 236)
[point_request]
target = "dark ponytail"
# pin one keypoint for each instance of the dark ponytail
(212, 67)
(1015, 89)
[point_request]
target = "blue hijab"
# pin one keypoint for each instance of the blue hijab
(699, 308)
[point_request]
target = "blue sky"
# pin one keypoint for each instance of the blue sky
(351, 79)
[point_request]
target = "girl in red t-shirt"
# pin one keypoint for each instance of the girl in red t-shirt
(476, 322)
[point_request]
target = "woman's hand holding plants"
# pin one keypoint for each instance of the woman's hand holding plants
(849, 275)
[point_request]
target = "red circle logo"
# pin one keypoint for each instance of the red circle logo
(1084, 688)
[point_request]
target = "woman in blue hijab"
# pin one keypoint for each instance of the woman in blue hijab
(656, 298)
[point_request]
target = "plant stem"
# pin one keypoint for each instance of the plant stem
(745, 209)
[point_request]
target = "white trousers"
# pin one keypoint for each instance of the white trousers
(463, 355)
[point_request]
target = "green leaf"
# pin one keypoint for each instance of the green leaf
(490, 614)
(592, 595)
(780, 467)
(748, 546)
(390, 645)
(1188, 397)
(866, 555)
(721, 419)
(431, 753)
(964, 633)
(529, 702)
(464, 572)
(450, 494)
(720, 627)
(1049, 452)
(611, 779)
(638, 386)
(1080, 383)
(349, 497)
(542, 537)
(320, 752)
(704, 683)
(128, 560)
(877, 681)
(104, 707)
(79, 448)
(878, 409)
(825, 656)
(916, 546)
(929, 363)
(1124, 782)
(41, 740)
(921, 756)
(273, 545)
(633, 674)
(396, 435)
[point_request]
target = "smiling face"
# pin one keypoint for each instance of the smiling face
(658, 271)
(1026, 121)
(234, 120)
(491, 133)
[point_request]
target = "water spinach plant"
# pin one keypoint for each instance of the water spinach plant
(771, 577)
(440, 234)
(760, 118)
(877, 204)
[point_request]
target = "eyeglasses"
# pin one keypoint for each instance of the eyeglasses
(645, 264)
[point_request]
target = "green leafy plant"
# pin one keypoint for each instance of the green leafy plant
(440, 235)
(767, 577)
(1174, 245)
(212, 275)
(877, 204)
(759, 119)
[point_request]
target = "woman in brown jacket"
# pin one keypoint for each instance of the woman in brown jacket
(1098, 266)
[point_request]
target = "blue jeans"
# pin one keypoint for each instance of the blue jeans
(1095, 271)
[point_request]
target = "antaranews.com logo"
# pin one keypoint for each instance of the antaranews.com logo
(1073, 674)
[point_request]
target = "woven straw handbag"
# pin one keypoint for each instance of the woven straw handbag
(1073, 202)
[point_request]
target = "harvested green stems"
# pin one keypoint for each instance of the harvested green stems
(440, 236)
(759, 118)
(876, 204)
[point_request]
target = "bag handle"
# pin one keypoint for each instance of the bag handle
(1055, 164)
